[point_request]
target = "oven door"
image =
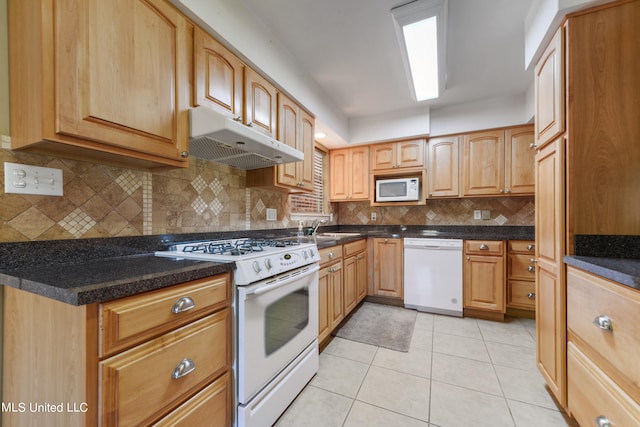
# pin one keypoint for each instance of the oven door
(277, 320)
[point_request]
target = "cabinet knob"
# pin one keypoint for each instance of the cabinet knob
(531, 247)
(533, 260)
(531, 269)
(468, 258)
(508, 191)
(531, 295)
(501, 190)
(602, 421)
(533, 145)
(331, 255)
(184, 154)
(603, 322)
(182, 305)
(484, 247)
(184, 368)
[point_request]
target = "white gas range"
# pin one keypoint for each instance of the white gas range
(276, 319)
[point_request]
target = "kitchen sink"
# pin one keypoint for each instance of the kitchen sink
(338, 235)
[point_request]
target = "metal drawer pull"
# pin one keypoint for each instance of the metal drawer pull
(602, 421)
(531, 295)
(603, 322)
(183, 304)
(531, 269)
(483, 247)
(184, 368)
(531, 247)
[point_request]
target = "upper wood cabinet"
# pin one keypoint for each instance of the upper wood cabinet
(443, 167)
(520, 153)
(550, 91)
(219, 76)
(393, 155)
(483, 163)
(296, 129)
(260, 103)
(101, 81)
(498, 162)
(349, 174)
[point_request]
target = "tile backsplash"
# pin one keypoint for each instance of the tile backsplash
(107, 201)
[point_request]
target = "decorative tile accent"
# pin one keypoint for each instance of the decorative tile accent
(260, 207)
(199, 205)
(500, 219)
(147, 204)
(363, 218)
(77, 222)
(129, 182)
(431, 215)
(199, 184)
(216, 207)
(215, 186)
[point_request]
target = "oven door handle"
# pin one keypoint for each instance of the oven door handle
(284, 282)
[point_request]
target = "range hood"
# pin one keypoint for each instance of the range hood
(220, 139)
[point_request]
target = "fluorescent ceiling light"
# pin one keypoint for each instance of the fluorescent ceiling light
(320, 135)
(420, 27)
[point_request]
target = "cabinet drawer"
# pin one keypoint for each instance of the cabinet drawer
(521, 294)
(138, 384)
(330, 254)
(521, 267)
(592, 394)
(484, 247)
(590, 298)
(132, 320)
(351, 248)
(522, 246)
(210, 407)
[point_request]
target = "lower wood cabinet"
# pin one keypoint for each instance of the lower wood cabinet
(603, 332)
(387, 268)
(330, 293)
(484, 279)
(355, 273)
(521, 271)
(130, 361)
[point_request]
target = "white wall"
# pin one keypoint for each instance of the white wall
(492, 113)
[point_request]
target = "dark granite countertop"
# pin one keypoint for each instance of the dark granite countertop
(614, 257)
(621, 270)
(85, 271)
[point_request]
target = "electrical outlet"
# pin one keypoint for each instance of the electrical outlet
(272, 214)
(26, 179)
(373, 216)
(477, 214)
(486, 214)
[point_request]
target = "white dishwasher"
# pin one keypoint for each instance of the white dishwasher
(433, 275)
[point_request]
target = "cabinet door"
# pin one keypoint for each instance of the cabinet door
(324, 304)
(219, 76)
(484, 283)
(350, 279)
(260, 103)
(550, 272)
(359, 173)
(443, 167)
(288, 129)
(306, 144)
(387, 269)
(519, 166)
(549, 91)
(122, 71)
(383, 156)
(339, 187)
(483, 171)
(410, 154)
(335, 295)
(361, 275)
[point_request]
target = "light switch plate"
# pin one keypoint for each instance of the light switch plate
(272, 214)
(477, 214)
(26, 179)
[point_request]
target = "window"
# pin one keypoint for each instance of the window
(313, 203)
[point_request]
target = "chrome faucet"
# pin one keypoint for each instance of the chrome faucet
(316, 223)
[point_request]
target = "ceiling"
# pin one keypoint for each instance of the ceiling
(351, 50)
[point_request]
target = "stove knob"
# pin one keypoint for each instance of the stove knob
(267, 263)
(311, 253)
(305, 255)
(256, 267)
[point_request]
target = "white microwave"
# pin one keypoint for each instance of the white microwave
(397, 190)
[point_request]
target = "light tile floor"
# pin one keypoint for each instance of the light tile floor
(459, 372)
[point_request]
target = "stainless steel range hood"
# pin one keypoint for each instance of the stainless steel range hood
(220, 139)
